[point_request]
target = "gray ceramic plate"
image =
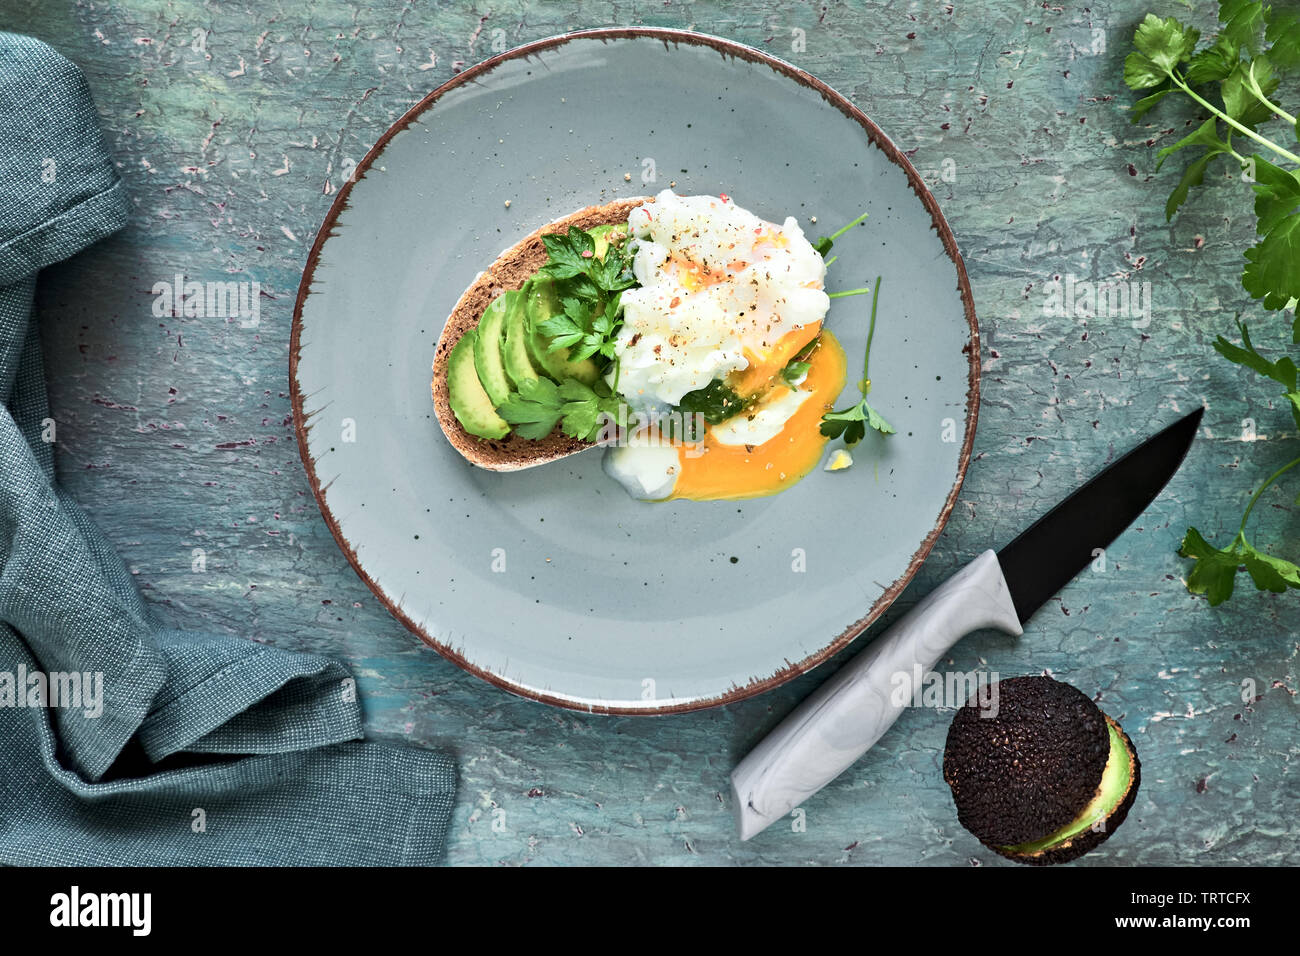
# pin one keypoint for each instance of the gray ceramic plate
(551, 582)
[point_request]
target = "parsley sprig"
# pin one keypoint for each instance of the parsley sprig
(852, 422)
(823, 245)
(590, 288)
(574, 254)
(1254, 43)
(583, 329)
(1215, 572)
(1232, 80)
(1283, 370)
(541, 404)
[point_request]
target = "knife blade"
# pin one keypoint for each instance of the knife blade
(841, 720)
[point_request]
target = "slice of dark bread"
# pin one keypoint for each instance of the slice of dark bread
(511, 270)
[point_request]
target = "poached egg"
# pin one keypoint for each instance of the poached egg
(723, 296)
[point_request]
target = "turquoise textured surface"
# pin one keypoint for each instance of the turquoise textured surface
(234, 127)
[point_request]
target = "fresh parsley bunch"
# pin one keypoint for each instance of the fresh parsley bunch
(1232, 80)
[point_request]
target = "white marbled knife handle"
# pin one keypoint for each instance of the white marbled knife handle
(846, 715)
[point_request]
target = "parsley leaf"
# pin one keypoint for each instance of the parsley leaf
(1271, 272)
(1144, 105)
(583, 406)
(716, 401)
(1283, 34)
(1208, 136)
(1242, 99)
(534, 409)
(590, 289)
(573, 256)
(614, 272)
(1213, 64)
(1140, 73)
(1161, 46)
(1283, 370)
(852, 423)
(541, 404)
(568, 327)
(1243, 22)
(585, 334)
(1277, 194)
(567, 253)
(1215, 572)
(1270, 573)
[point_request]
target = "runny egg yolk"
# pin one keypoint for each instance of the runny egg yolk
(713, 470)
(762, 371)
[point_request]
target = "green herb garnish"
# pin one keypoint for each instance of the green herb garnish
(852, 422)
(823, 245)
(797, 368)
(716, 401)
(581, 328)
(1166, 60)
(540, 404)
(1215, 571)
(795, 372)
(1282, 371)
(574, 254)
(589, 288)
(1241, 65)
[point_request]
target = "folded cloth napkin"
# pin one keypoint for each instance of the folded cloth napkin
(165, 747)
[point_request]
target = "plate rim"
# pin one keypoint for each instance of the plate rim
(875, 136)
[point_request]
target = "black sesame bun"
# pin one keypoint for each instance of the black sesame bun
(1037, 772)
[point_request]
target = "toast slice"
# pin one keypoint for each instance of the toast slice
(510, 271)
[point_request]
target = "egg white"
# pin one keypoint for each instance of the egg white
(678, 335)
(764, 422)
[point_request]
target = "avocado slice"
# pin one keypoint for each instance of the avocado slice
(488, 344)
(542, 304)
(514, 352)
(600, 235)
(466, 395)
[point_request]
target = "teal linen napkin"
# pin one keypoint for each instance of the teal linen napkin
(205, 749)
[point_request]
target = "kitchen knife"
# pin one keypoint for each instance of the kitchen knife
(848, 713)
